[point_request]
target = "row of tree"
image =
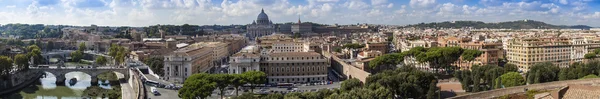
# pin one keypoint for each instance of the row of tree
(481, 78)
(402, 83)
(202, 85)
(21, 61)
(436, 57)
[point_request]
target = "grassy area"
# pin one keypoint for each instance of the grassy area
(108, 76)
(95, 91)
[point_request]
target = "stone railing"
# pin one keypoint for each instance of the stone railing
(521, 89)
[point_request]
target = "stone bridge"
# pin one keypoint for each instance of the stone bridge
(93, 72)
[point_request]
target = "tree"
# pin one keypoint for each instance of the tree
(386, 61)
(255, 77)
(36, 53)
(589, 56)
(237, 81)
(542, 72)
(273, 96)
(22, 61)
(197, 86)
(589, 76)
(293, 95)
(511, 79)
(353, 46)
(433, 90)
(32, 47)
(351, 84)
(438, 57)
(404, 82)
(156, 64)
(50, 46)
(81, 47)
(5, 65)
(223, 80)
(511, 68)
(597, 51)
(76, 56)
(112, 51)
(101, 60)
(470, 55)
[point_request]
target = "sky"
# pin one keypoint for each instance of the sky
(226, 12)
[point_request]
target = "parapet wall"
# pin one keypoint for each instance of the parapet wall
(346, 69)
(522, 89)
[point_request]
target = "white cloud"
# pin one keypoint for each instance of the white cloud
(421, 3)
(355, 4)
(378, 2)
(11, 6)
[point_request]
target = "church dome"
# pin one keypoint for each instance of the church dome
(262, 15)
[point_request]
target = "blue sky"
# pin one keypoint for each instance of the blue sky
(225, 12)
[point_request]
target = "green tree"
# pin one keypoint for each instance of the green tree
(50, 46)
(589, 56)
(36, 53)
(101, 60)
(542, 72)
(293, 95)
(597, 51)
(5, 65)
(350, 84)
(197, 86)
(255, 77)
(273, 96)
(156, 64)
(223, 80)
(32, 47)
(511, 68)
(22, 61)
(81, 47)
(386, 61)
(76, 56)
(589, 76)
(440, 57)
(112, 51)
(237, 81)
(353, 46)
(511, 79)
(470, 55)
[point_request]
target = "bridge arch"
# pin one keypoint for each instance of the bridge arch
(60, 73)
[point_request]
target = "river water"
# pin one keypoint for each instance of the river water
(48, 89)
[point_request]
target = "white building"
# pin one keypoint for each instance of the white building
(247, 59)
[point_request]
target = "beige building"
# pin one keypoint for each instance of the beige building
(526, 52)
(295, 67)
(492, 51)
(220, 50)
(187, 61)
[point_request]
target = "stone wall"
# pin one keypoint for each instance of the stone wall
(347, 70)
(522, 89)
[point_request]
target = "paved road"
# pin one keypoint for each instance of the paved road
(127, 91)
(164, 93)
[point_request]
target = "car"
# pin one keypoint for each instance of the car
(154, 91)
(313, 90)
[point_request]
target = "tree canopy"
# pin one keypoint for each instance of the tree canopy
(542, 72)
(387, 61)
(511, 79)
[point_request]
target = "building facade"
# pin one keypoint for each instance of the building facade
(295, 67)
(526, 52)
(184, 62)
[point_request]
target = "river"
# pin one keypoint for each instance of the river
(48, 89)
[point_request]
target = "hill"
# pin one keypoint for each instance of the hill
(521, 24)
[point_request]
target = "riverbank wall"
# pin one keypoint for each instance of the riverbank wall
(21, 81)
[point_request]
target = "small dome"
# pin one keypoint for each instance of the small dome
(262, 15)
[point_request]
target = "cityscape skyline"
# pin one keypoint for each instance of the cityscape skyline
(226, 12)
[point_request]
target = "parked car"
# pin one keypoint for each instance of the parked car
(154, 91)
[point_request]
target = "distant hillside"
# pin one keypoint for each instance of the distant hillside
(521, 24)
